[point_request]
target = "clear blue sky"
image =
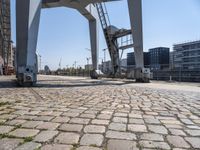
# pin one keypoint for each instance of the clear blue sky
(64, 32)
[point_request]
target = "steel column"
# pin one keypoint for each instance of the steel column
(94, 43)
(27, 24)
(135, 12)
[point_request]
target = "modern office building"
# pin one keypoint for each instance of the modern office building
(6, 52)
(187, 55)
(159, 58)
(131, 60)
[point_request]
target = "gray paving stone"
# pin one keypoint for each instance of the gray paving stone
(61, 119)
(100, 122)
(43, 118)
(151, 137)
(15, 122)
(158, 129)
(120, 114)
(117, 126)
(194, 141)
(136, 121)
(92, 139)
(45, 136)
(121, 145)
(133, 115)
(152, 121)
(171, 122)
(31, 124)
(120, 135)
(29, 146)
(57, 147)
(88, 148)
(48, 126)
(22, 133)
(90, 116)
(27, 117)
(94, 129)
(173, 126)
(71, 127)
(193, 132)
(5, 129)
(154, 145)
(104, 116)
(120, 120)
(187, 121)
(68, 114)
(137, 128)
(177, 132)
(67, 138)
(193, 127)
(177, 141)
(9, 144)
(79, 120)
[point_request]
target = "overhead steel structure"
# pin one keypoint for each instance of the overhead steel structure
(28, 17)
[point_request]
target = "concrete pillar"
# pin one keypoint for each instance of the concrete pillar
(27, 24)
(135, 12)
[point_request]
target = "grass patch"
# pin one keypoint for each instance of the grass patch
(18, 126)
(28, 139)
(6, 136)
(4, 103)
(93, 145)
(2, 123)
(75, 145)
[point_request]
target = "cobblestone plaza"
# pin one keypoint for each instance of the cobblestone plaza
(71, 113)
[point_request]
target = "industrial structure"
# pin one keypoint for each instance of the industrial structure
(28, 17)
(6, 50)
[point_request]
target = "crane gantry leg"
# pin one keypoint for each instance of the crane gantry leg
(28, 16)
(141, 74)
(94, 47)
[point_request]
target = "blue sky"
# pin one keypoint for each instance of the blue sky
(64, 33)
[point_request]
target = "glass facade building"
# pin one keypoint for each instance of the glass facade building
(159, 58)
(187, 55)
(131, 60)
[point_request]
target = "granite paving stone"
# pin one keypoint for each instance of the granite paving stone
(92, 139)
(67, 138)
(22, 133)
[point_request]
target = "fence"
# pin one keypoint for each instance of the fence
(162, 72)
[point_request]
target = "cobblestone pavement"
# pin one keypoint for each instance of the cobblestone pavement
(63, 113)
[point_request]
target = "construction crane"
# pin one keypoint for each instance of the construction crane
(112, 36)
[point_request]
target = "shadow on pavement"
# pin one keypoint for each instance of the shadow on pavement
(62, 83)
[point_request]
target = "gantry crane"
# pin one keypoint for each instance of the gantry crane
(27, 20)
(113, 36)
